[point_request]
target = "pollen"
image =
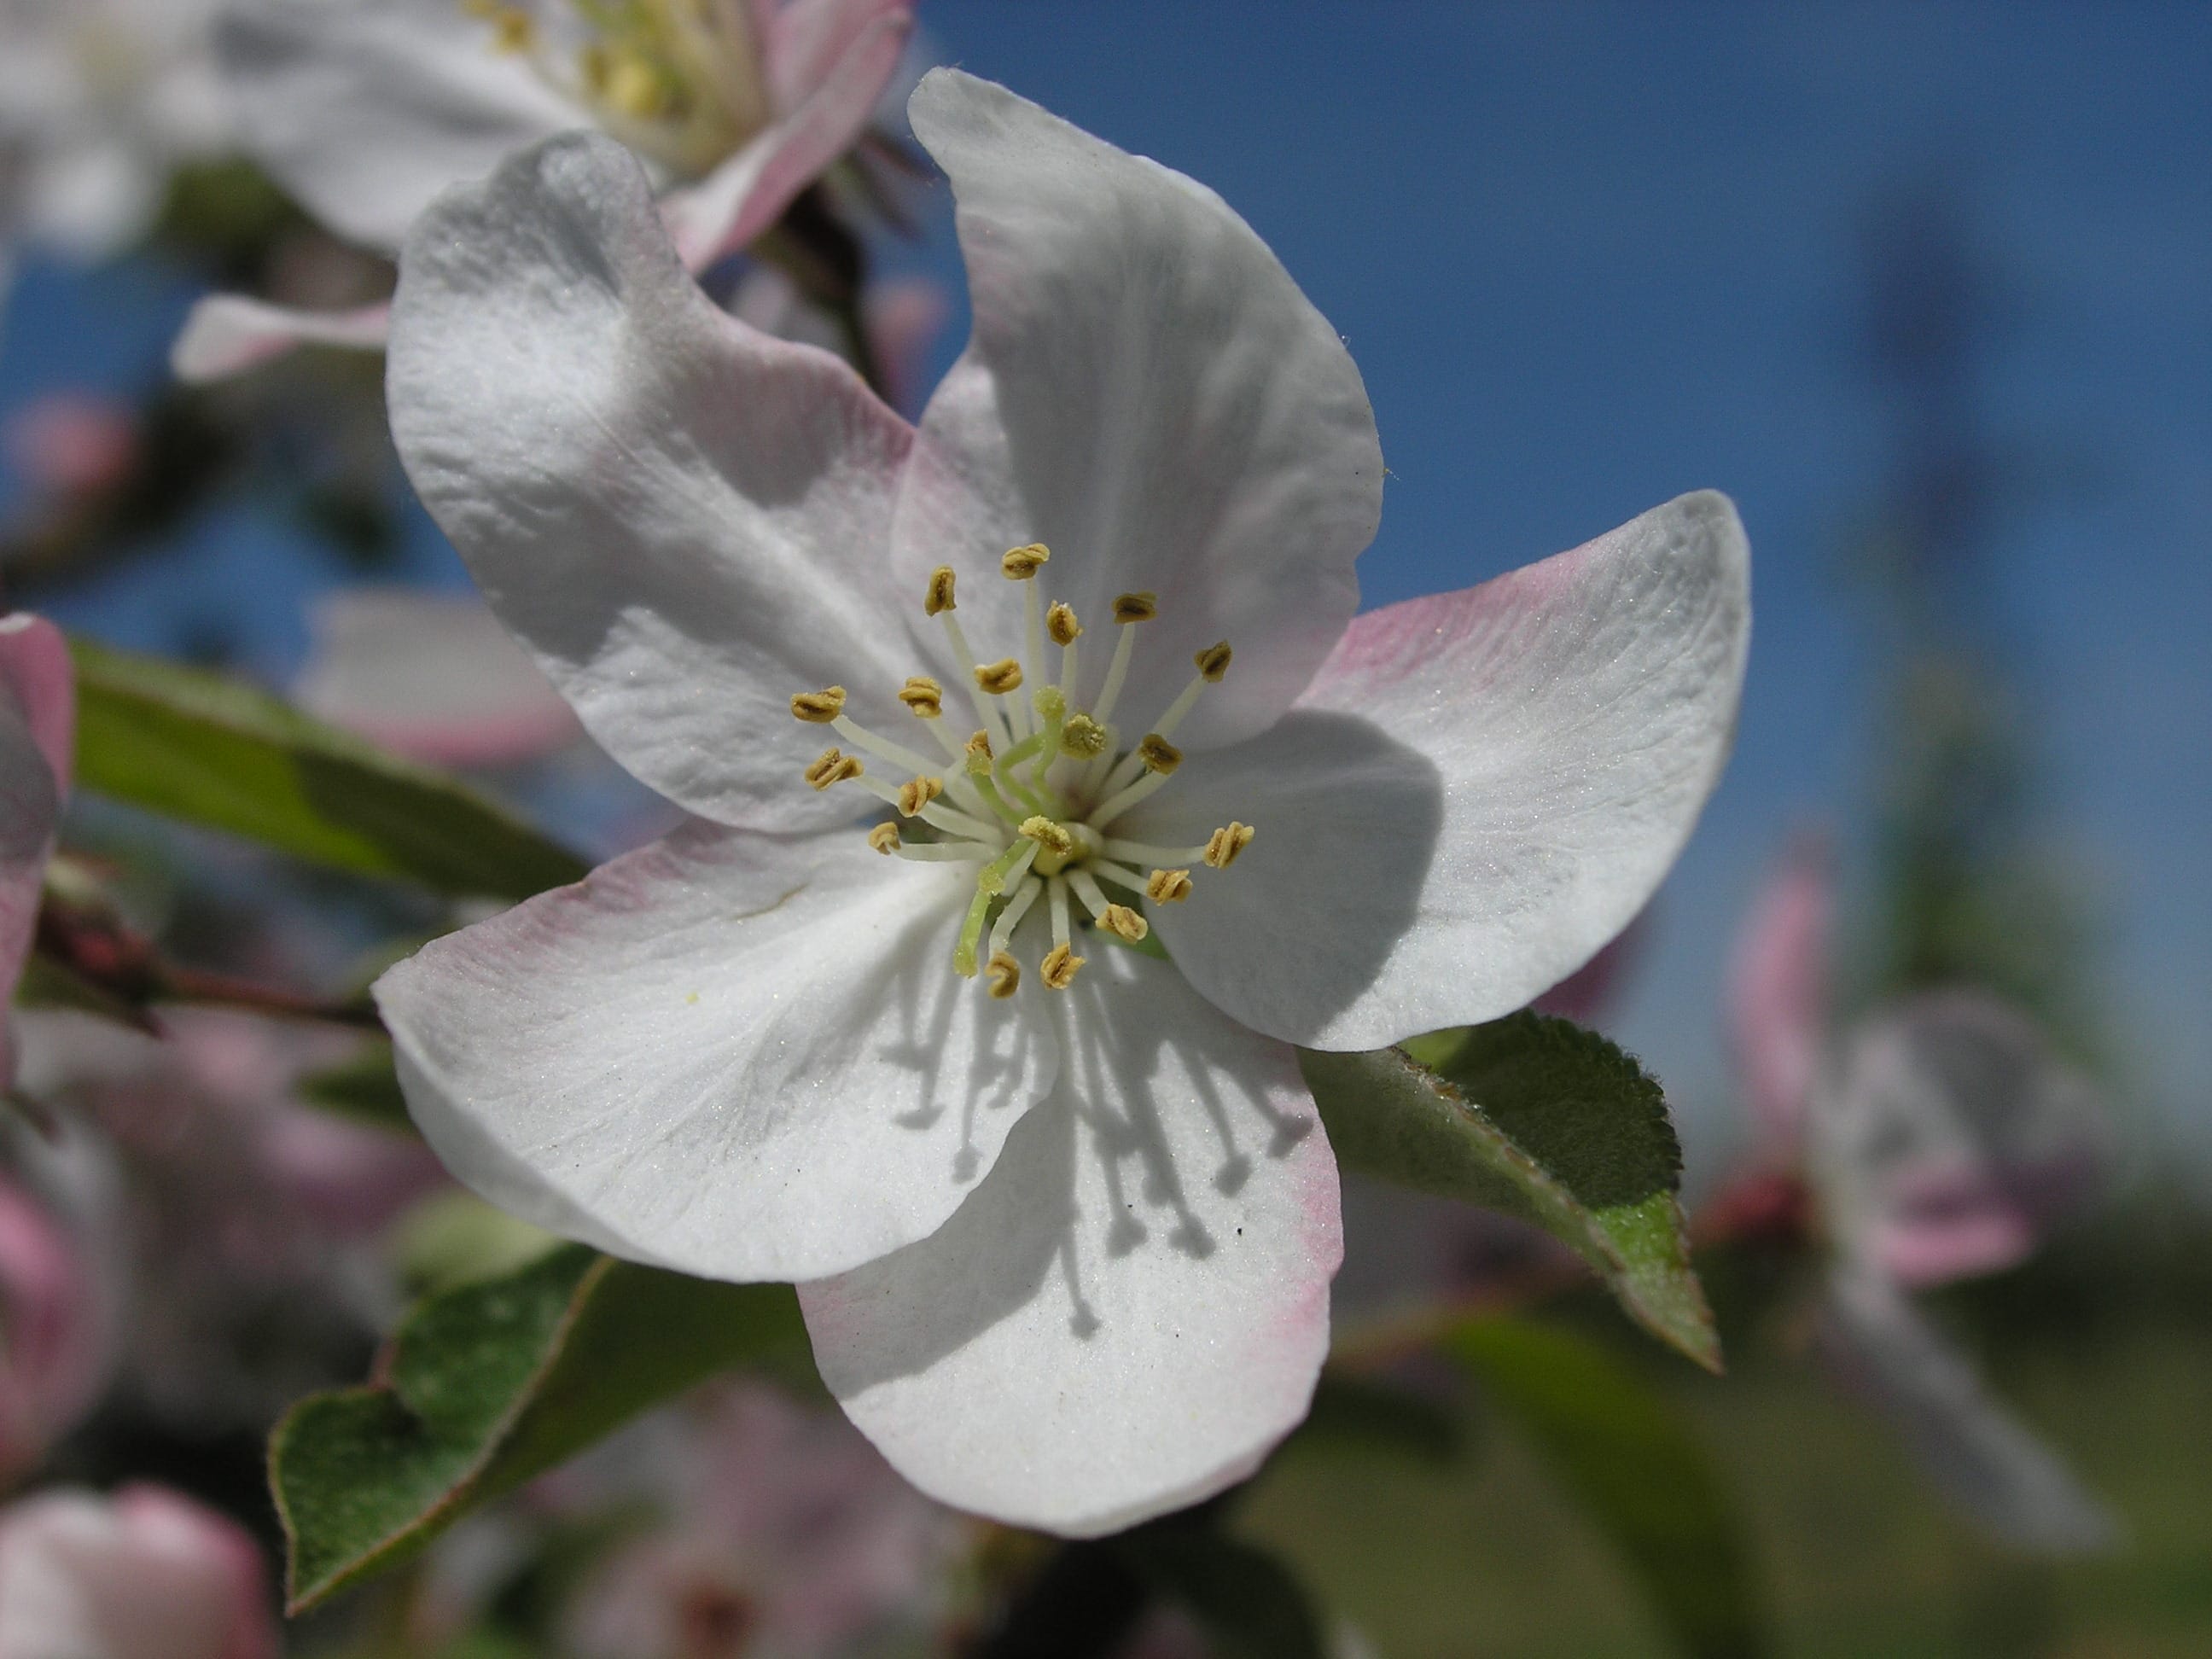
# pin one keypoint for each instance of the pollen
(1083, 737)
(1223, 845)
(939, 594)
(819, 707)
(1165, 886)
(885, 838)
(1122, 923)
(923, 696)
(1213, 662)
(833, 765)
(979, 754)
(1000, 676)
(1058, 968)
(1051, 836)
(512, 28)
(1136, 607)
(1158, 755)
(1020, 563)
(1002, 975)
(1059, 622)
(917, 793)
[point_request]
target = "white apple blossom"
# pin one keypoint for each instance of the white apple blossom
(366, 109)
(1062, 1215)
(99, 100)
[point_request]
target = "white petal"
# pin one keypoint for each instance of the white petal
(733, 1054)
(1964, 1443)
(683, 520)
(1479, 790)
(1956, 1139)
(748, 192)
(1148, 394)
(226, 334)
(432, 676)
(366, 109)
(1132, 1310)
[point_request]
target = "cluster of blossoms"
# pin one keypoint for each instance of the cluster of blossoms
(1006, 1079)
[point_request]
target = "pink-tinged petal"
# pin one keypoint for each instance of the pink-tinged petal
(1132, 1311)
(1148, 394)
(38, 730)
(748, 192)
(364, 110)
(70, 444)
(226, 334)
(146, 1575)
(802, 42)
(53, 1358)
(1956, 1139)
(1967, 1445)
(683, 520)
(348, 1180)
(1777, 993)
(738, 1055)
(431, 676)
(1478, 792)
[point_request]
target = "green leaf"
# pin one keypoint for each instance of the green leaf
(1249, 1604)
(365, 1088)
(1540, 1119)
(1637, 1469)
(213, 751)
(487, 1385)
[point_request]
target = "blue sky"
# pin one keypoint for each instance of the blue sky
(1589, 256)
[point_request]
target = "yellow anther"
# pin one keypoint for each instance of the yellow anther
(1051, 837)
(1000, 676)
(1213, 662)
(1020, 563)
(629, 82)
(979, 754)
(1158, 755)
(1083, 737)
(885, 838)
(832, 766)
(1059, 622)
(1223, 845)
(1058, 968)
(923, 696)
(819, 707)
(938, 596)
(1002, 975)
(917, 793)
(512, 28)
(1122, 923)
(1168, 886)
(1136, 607)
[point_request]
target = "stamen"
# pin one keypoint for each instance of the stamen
(832, 766)
(1145, 852)
(885, 838)
(1056, 891)
(1125, 798)
(917, 793)
(1225, 844)
(1129, 608)
(1020, 563)
(1213, 662)
(1017, 905)
(1046, 833)
(1003, 974)
(1158, 755)
(946, 851)
(938, 596)
(898, 754)
(1059, 623)
(990, 881)
(1000, 676)
(1058, 968)
(819, 707)
(937, 601)
(1168, 886)
(1120, 874)
(923, 696)
(951, 819)
(1117, 919)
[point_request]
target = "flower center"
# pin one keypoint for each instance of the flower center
(1031, 799)
(677, 80)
